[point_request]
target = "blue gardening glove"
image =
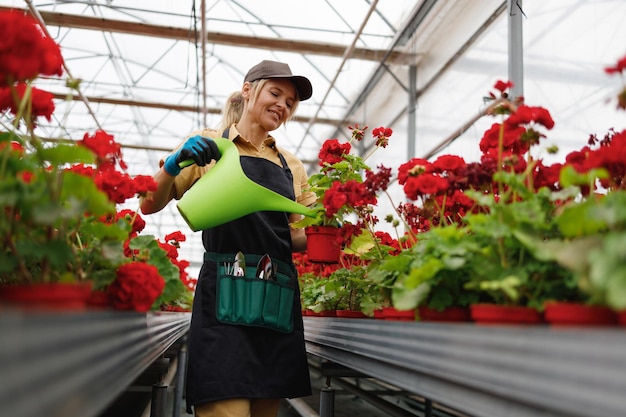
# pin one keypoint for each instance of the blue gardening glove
(196, 149)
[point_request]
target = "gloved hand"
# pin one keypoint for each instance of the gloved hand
(197, 148)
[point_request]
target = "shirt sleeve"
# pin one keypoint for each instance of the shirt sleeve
(300, 179)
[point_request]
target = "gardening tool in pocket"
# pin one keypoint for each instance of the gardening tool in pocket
(261, 297)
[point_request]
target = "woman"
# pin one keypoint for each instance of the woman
(245, 368)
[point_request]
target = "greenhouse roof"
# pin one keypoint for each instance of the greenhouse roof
(150, 77)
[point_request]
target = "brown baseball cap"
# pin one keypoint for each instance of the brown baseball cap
(272, 69)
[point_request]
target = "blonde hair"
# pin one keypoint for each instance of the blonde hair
(257, 86)
(232, 111)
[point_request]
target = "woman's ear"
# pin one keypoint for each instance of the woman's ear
(245, 90)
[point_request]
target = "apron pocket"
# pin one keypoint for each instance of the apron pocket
(251, 301)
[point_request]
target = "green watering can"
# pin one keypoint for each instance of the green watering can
(225, 193)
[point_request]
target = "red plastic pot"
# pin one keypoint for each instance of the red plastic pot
(447, 315)
(354, 314)
(327, 313)
(578, 314)
(322, 245)
(49, 296)
(501, 314)
(391, 313)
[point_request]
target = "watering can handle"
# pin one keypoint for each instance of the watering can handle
(186, 163)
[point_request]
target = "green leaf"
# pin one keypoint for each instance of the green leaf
(405, 299)
(570, 177)
(62, 154)
(77, 187)
(577, 220)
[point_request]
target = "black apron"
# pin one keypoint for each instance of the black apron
(234, 361)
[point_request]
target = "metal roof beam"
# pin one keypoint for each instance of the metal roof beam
(175, 107)
(185, 34)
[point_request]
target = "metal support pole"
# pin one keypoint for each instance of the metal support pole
(412, 122)
(516, 48)
(180, 380)
(327, 400)
(428, 408)
(159, 400)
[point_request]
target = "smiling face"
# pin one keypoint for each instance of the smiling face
(273, 104)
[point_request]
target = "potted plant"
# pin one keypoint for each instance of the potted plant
(508, 231)
(341, 194)
(592, 227)
(59, 221)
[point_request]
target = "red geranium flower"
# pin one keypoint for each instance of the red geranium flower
(42, 103)
(425, 184)
(382, 135)
(133, 218)
(449, 163)
(137, 287)
(106, 149)
(177, 236)
(415, 166)
(527, 114)
(25, 52)
(617, 68)
(332, 152)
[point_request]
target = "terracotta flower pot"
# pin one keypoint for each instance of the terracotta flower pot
(322, 245)
(578, 314)
(391, 313)
(49, 296)
(447, 315)
(500, 314)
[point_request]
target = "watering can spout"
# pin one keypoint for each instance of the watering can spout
(231, 193)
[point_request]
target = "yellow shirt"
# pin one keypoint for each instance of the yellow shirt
(269, 150)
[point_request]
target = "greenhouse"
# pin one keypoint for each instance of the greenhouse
(425, 215)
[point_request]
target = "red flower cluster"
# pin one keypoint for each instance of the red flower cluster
(619, 68)
(304, 266)
(382, 135)
(119, 186)
(133, 218)
(41, 101)
(351, 193)
(357, 132)
(137, 287)
(332, 152)
(25, 52)
(107, 151)
(440, 185)
(606, 153)
(170, 246)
